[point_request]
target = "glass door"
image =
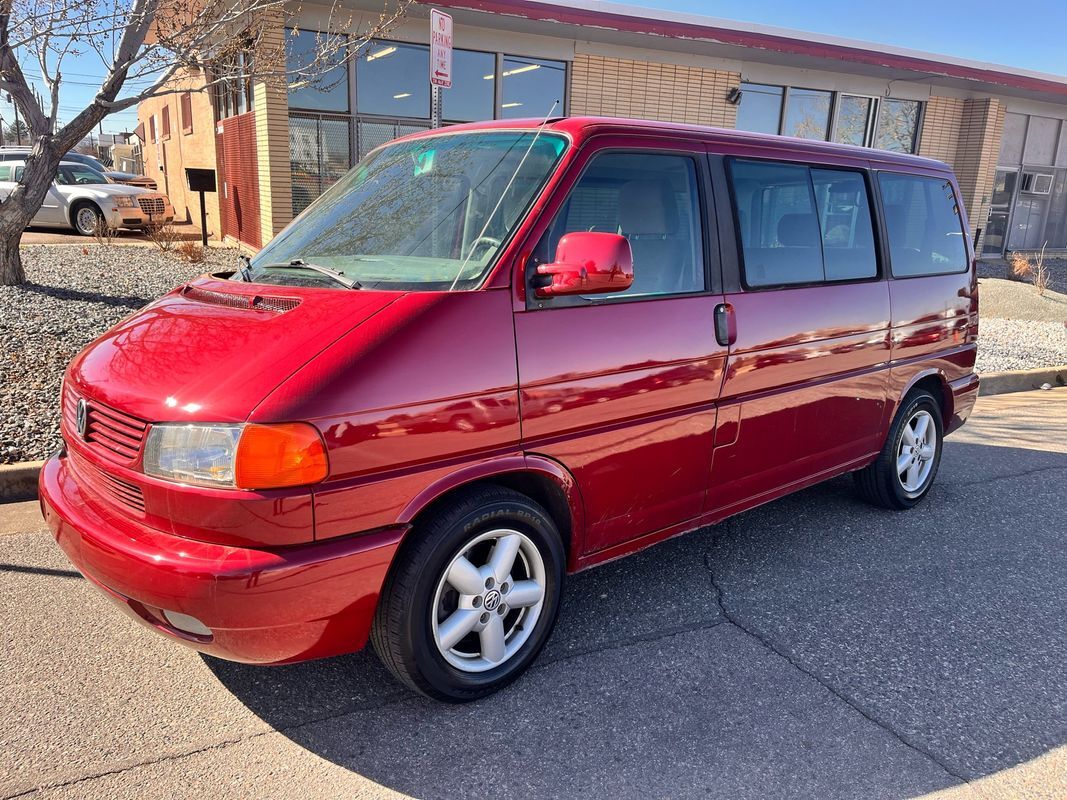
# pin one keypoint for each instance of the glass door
(996, 229)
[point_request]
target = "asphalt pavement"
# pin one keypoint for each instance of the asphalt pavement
(814, 647)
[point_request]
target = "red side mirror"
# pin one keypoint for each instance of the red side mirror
(588, 263)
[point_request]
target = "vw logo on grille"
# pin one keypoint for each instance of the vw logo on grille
(81, 421)
(492, 600)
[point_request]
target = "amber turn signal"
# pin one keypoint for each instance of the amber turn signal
(272, 456)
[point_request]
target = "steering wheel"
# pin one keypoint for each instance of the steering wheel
(482, 241)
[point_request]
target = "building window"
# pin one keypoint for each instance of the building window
(318, 155)
(887, 124)
(166, 122)
(807, 113)
(761, 108)
(232, 85)
(393, 80)
(854, 120)
(318, 73)
(152, 129)
(898, 125)
(473, 87)
(186, 111)
(529, 87)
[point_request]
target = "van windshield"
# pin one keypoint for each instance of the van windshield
(428, 214)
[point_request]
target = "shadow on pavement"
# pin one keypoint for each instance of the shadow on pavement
(866, 653)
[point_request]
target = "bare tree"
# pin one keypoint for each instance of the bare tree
(143, 46)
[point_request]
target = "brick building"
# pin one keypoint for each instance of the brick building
(1002, 129)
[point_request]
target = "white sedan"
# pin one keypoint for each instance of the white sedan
(81, 198)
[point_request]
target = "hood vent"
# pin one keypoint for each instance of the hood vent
(256, 302)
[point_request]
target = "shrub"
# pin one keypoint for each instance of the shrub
(163, 235)
(192, 252)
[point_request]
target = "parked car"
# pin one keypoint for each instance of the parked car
(497, 354)
(16, 153)
(130, 179)
(81, 198)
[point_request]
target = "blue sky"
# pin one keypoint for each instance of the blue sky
(1018, 33)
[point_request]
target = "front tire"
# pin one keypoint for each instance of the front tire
(904, 471)
(87, 218)
(472, 597)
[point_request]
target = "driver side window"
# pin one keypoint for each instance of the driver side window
(650, 198)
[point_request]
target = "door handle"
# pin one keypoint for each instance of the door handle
(725, 324)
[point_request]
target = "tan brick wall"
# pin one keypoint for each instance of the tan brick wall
(271, 106)
(940, 134)
(165, 160)
(606, 86)
(981, 126)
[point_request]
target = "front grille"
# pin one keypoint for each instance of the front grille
(151, 205)
(111, 434)
(103, 483)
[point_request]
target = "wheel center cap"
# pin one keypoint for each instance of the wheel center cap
(492, 600)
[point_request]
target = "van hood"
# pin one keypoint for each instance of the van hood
(212, 349)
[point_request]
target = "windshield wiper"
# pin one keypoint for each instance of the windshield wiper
(299, 263)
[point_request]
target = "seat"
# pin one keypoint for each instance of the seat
(648, 218)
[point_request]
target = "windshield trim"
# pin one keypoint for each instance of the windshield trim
(493, 263)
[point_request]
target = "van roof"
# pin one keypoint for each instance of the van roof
(580, 128)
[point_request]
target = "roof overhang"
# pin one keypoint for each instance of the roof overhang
(690, 33)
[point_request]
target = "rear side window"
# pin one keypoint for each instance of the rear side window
(923, 223)
(802, 224)
(5, 172)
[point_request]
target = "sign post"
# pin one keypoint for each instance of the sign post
(440, 60)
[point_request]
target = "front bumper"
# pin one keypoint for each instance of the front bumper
(137, 218)
(262, 606)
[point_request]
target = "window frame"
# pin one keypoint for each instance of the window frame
(967, 250)
(705, 216)
(185, 112)
(880, 243)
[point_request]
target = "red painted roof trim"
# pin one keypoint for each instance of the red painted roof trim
(764, 41)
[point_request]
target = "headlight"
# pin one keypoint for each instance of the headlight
(237, 456)
(124, 201)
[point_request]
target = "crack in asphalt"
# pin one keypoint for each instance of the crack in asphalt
(773, 647)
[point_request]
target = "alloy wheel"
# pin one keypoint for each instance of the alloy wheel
(488, 600)
(916, 451)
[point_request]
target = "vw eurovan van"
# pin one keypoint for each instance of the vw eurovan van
(499, 353)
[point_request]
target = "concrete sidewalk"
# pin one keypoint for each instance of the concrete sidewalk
(815, 647)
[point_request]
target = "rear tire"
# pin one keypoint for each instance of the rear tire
(904, 471)
(472, 597)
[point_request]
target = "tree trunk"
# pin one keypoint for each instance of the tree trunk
(19, 208)
(11, 272)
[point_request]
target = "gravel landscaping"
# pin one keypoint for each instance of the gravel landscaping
(1018, 328)
(73, 294)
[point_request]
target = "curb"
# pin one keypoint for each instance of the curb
(1020, 380)
(19, 481)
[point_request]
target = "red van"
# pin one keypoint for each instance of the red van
(494, 354)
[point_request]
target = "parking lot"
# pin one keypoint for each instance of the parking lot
(815, 647)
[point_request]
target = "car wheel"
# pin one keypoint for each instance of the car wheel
(87, 218)
(904, 471)
(472, 597)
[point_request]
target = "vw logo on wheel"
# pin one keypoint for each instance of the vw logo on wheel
(81, 421)
(492, 600)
